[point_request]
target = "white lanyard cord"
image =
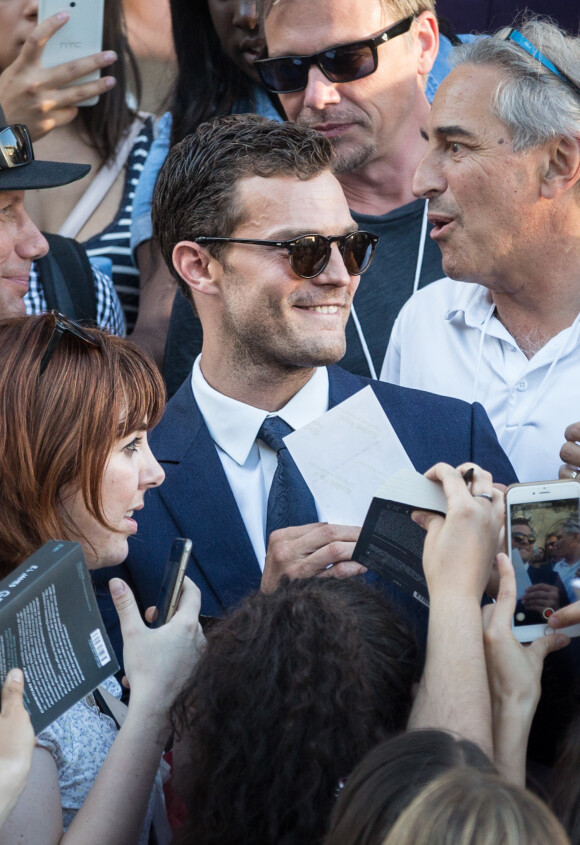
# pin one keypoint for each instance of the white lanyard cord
(418, 268)
(363, 343)
(421, 252)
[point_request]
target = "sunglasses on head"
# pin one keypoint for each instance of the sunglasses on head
(15, 146)
(519, 39)
(62, 325)
(287, 74)
(523, 538)
(310, 254)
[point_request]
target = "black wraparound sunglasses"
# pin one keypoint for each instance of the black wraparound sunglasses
(63, 325)
(344, 63)
(310, 254)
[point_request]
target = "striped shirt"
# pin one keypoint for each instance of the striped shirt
(109, 312)
(114, 241)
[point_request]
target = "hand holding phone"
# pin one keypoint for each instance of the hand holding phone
(172, 583)
(80, 37)
(44, 98)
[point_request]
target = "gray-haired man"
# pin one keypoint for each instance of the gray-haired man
(502, 176)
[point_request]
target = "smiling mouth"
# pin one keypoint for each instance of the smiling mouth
(320, 309)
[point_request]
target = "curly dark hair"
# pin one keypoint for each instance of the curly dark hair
(292, 690)
(195, 193)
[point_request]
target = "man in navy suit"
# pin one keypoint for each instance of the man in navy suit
(273, 317)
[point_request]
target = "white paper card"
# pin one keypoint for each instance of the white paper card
(346, 455)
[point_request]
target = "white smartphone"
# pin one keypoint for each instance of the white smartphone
(81, 36)
(534, 513)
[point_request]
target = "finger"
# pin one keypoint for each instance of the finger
(568, 471)
(551, 642)
(293, 544)
(482, 482)
(487, 615)
(436, 472)
(330, 555)
(151, 614)
(343, 570)
(32, 48)
(507, 595)
(68, 72)
(294, 532)
(573, 432)
(12, 691)
(426, 519)
(569, 615)
(125, 605)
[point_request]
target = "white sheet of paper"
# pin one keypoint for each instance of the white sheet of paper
(346, 455)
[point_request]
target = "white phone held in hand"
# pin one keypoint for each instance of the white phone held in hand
(534, 513)
(81, 36)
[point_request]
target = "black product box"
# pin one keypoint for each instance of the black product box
(51, 628)
(390, 544)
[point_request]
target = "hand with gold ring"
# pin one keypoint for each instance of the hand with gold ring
(570, 452)
(460, 548)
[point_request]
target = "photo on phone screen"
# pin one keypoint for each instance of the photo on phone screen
(543, 534)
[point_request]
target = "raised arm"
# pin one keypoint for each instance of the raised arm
(16, 743)
(459, 551)
(514, 673)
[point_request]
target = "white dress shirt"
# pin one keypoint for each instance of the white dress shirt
(448, 341)
(250, 465)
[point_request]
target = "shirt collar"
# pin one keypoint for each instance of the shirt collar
(234, 426)
(471, 306)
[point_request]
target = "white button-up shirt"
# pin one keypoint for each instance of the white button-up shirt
(447, 340)
(250, 465)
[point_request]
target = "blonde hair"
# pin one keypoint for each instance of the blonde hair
(468, 807)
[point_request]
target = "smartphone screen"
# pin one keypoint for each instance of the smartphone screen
(172, 583)
(543, 534)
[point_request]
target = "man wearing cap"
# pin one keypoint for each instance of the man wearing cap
(502, 176)
(21, 243)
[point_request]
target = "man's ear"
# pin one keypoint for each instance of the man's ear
(196, 266)
(562, 170)
(427, 32)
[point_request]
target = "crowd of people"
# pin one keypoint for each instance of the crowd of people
(339, 196)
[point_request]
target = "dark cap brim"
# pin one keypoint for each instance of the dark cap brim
(41, 174)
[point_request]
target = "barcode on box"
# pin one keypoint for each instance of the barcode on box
(99, 648)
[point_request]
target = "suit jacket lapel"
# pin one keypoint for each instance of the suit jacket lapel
(197, 495)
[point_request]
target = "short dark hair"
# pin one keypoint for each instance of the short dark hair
(292, 690)
(195, 193)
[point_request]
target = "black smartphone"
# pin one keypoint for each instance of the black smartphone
(172, 583)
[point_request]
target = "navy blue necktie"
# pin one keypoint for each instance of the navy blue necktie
(290, 501)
